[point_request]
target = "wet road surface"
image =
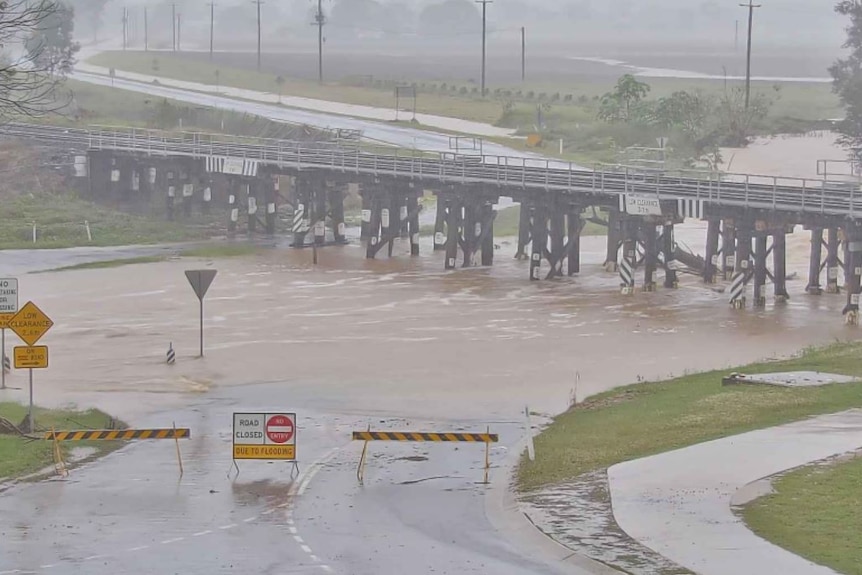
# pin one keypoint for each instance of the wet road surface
(395, 344)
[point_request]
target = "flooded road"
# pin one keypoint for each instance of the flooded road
(393, 344)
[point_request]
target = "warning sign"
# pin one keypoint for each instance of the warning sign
(35, 357)
(264, 436)
(5, 318)
(30, 323)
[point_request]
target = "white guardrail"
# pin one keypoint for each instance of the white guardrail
(794, 195)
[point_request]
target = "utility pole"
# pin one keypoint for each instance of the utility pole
(125, 27)
(258, 2)
(212, 26)
(484, 4)
(751, 6)
(179, 32)
(146, 32)
(319, 20)
(174, 26)
(523, 54)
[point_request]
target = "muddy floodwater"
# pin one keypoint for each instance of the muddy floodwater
(398, 336)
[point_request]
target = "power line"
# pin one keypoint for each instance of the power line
(751, 6)
(484, 4)
(258, 2)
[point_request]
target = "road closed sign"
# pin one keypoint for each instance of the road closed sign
(264, 436)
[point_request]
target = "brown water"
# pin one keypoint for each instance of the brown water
(397, 336)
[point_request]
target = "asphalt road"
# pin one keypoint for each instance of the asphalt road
(420, 511)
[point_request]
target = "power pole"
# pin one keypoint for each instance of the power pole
(751, 6)
(484, 4)
(174, 26)
(146, 32)
(258, 2)
(125, 27)
(319, 20)
(523, 54)
(212, 26)
(179, 32)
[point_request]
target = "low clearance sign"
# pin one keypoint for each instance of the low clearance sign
(264, 436)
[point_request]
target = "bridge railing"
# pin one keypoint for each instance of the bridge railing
(746, 190)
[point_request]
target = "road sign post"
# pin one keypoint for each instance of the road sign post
(200, 281)
(265, 436)
(8, 309)
(30, 324)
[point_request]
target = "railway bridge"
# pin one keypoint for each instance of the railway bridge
(748, 216)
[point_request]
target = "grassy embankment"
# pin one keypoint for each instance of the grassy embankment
(20, 456)
(648, 418)
(570, 106)
(816, 513)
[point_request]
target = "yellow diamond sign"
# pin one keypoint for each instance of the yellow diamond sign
(30, 323)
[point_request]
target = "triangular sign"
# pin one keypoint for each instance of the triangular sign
(201, 280)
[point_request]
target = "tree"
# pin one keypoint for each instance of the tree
(89, 16)
(26, 87)
(620, 104)
(51, 47)
(847, 76)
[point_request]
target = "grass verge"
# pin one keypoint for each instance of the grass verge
(815, 513)
(20, 457)
(59, 221)
(648, 418)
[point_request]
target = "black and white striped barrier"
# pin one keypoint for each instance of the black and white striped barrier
(737, 289)
(171, 355)
(7, 365)
(298, 219)
(627, 276)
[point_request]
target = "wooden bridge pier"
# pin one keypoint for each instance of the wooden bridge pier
(853, 271)
(614, 239)
(671, 281)
(728, 248)
(391, 213)
(711, 254)
(440, 225)
(760, 271)
(650, 243)
(833, 260)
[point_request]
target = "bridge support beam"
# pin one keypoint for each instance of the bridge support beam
(628, 263)
(318, 212)
(232, 209)
(524, 229)
(539, 235)
(760, 254)
(271, 188)
(440, 225)
(413, 209)
(486, 237)
(833, 262)
(650, 240)
(575, 226)
(615, 234)
(374, 224)
(670, 276)
(557, 230)
(470, 230)
(815, 264)
(365, 214)
(779, 265)
(742, 271)
(728, 249)
(853, 282)
(253, 189)
(711, 256)
(302, 211)
(453, 227)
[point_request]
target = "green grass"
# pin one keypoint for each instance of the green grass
(20, 456)
(644, 419)
(222, 250)
(816, 512)
(60, 221)
(109, 264)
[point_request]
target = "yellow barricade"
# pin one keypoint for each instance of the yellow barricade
(422, 436)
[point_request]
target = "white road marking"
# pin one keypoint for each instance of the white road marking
(290, 521)
(231, 526)
(169, 541)
(326, 568)
(250, 519)
(315, 467)
(91, 557)
(292, 530)
(314, 558)
(141, 548)
(199, 533)
(10, 572)
(306, 548)
(47, 566)
(268, 512)
(298, 539)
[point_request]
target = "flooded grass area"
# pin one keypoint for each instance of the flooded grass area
(60, 222)
(222, 250)
(21, 456)
(648, 418)
(815, 513)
